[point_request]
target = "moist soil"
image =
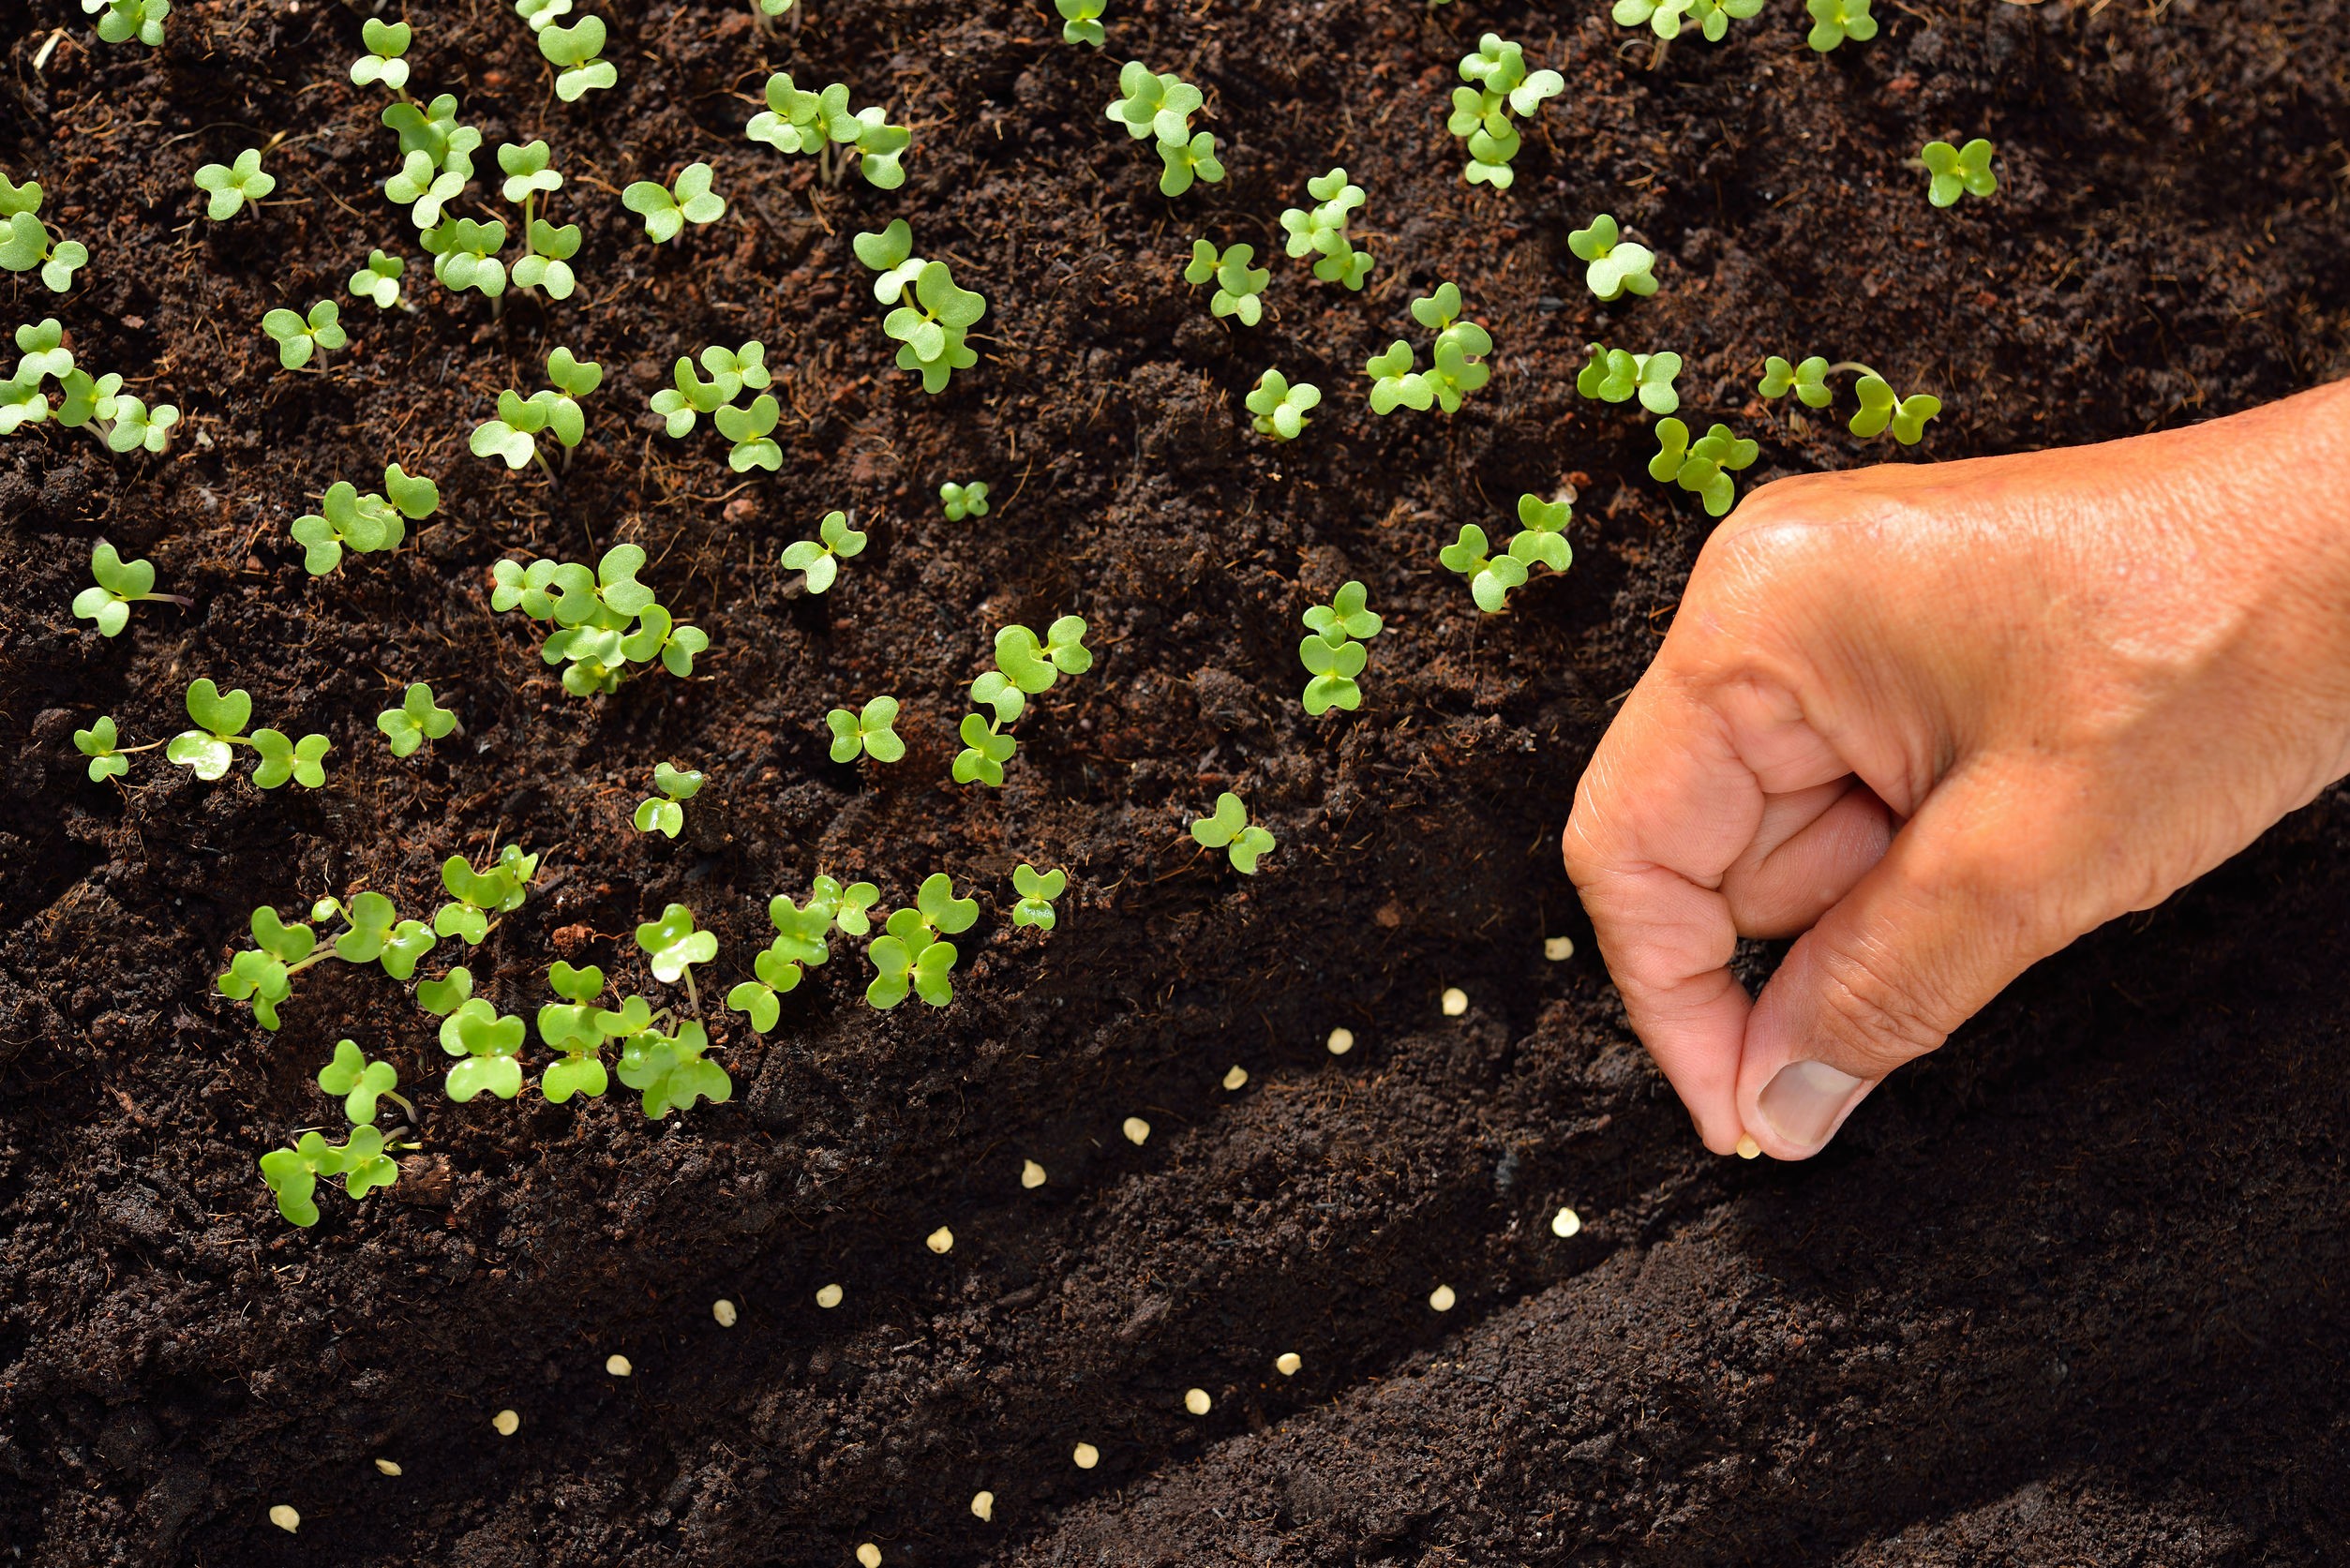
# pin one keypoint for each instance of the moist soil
(2072, 1292)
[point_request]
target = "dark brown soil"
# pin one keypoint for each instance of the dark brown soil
(2072, 1292)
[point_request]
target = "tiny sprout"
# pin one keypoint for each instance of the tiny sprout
(1287, 1363)
(487, 1040)
(1322, 231)
(1703, 466)
(731, 370)
(828, 1296)
(120, 20)
(359, 1082)
(505, 1423)
(1036, 891)
(1880, 408)
(97, 743)
(1033, 666)
(618, 1365)
(229, 186)
(377, 934)
(1614, 375)
(866, 732)
(477, 897)
(465, 255)
(550, 410)
(1615, 266)
(940, 1241)
(1078, 24)
(378, 281)
(1332, 655)
(1835, 21)
(363, 523)
(822, 561)
(1230, 830)
(1454, 1002)
(751, 430)
(1238, 284)
(931, 332)
(1441, 1299)
(221, 723)
(964, 500)
(578, 1029)
(1541, 542)
(26, 242)
(890, 252)
(1667, 18)
(387, 42)
(1958, 171)
(667, 210)
(1480, 113)
(292, 1173)
(1031, 1174)
(1188, 161)
(1566, 1223)
(1085, 1455)
(723, 1311)
(120, 585)
(298, 337)
(664, 815)
(444, 995)
(577, 50)
(675, 947)
(1342, 1040)
(913, 954)
(415, 720)
(1280, 408)
(1237, 1078)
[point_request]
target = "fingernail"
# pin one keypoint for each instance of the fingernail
(1801, 1103)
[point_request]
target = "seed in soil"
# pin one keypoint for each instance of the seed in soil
(723, 1311)
(1196, 1401)
(869, 1555)
(1287, 1363)
(1442, 1298)
(940, 1240)
(1566, 1223)
(827, 1296)
(1086, 1456)
(1342, 1041)
(983, 1507)
(1137, 1130)
(618, 1365)
(1557, 949)
(1456, 1001)
(285, 1519)
(1237, 1078)
(1747, 1147)
(1031, 1173)
(507, 1423)
(387, 1467)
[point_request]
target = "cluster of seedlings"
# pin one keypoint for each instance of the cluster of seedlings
(1161, 105)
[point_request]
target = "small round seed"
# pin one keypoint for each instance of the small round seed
(869, 1555)
(1287, 1363)
(940, 1240)
(1238, 1077)
(983, 1507)
(1137, 1130)
(618, 1365)
(1442, 1298)
(1747, 1147)
(1086, 1456)
(1566, 1223)
(1196, 1401)
(1456, 1001)
(723, 1311)
(1031, 1173)
(827, 1296)
(507, 1423)
(1558, 947)
(1342, 1041)
(387, 1467)
(285, 1519)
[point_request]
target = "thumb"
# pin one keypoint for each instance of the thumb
(1969, 895)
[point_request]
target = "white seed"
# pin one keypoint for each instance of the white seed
(1287, 1363)
(285, 1519)
(940, 1240)
(869, 1555)
(1031, 1173)
(1557, 949)
(1137, 1130)
(723, 1311)
(387, 1467)
(1442, 1298)
(1196, 1401)
(507, 1423)
(827, 1296)
(1236, 1078)
(983, 1507)
(1747, 1147)
(1456, 1001)
(618, 1365)
(1566, 1223)
(1342, 1041)
(1086, 1456)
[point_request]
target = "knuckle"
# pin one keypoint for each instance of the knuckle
(1881, 1017)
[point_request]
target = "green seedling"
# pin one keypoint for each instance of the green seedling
(292, 1173)
(377, 934)
(436, 158)
(386, 43)
(1835, 21)
(667, 210)
(415, 720)
(1280, 409)
(731, 371)
(1187, 162)
(26, 242)
(890, 252)
(229, 186)
(546, 250)
(761, 10)
(1161, 105)
(1615, 266)
(1334, 656)
(1500, 85)
(1703, 466)
(1615, 376)
(798, 121)
(298, 337)
(605, 619)
(1229, 829)
(120, 585)
(577, 53)
(378, 281)
(1459, 367)
(1394, 383)
(931, 331)
(1079, 24)
(821, 558)
(99, 743)
(1036, 891)
(512, 435)
(121, 21)
(1668, 19)
(866, 732)
(1322, 231)
(1541, 541)
(478, 898)
(662, 814)
(579, 1030)
(1879, 410)
(985, 750)
(675, 947)
(122, 422)
(486, 1041)
(220, 721)
(912, 954)
(43, 359)
(364, 523)
(360, 1082)
(964, 500)
(1238, 284)
(444, 995)
(671, 1072)
(751, 431)
(1957, 172)
(1032, 666)
(465, 255)
(542, 14)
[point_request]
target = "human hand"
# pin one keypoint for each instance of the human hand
(1943, 719)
